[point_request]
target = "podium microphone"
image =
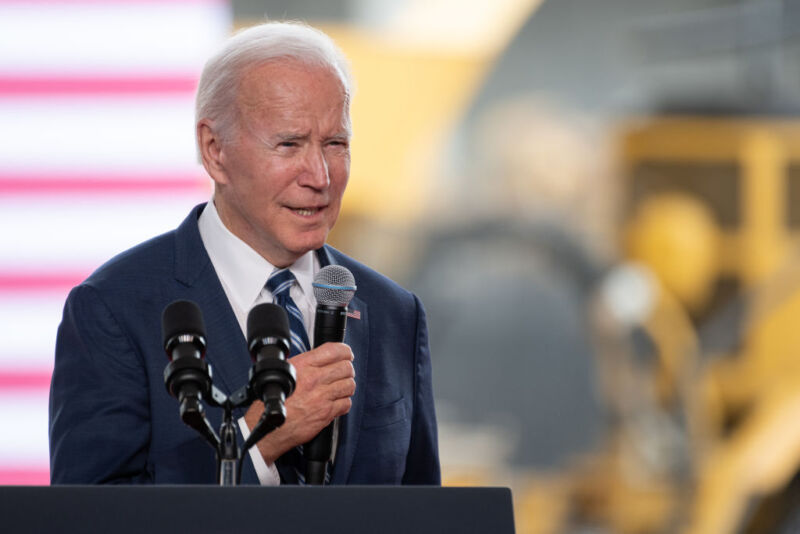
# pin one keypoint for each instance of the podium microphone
(272, 378)
(187, 376)
(334, 287)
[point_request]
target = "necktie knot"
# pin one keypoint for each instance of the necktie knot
(280, 282)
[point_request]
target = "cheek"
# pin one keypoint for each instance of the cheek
(268, 184)
(340, 174)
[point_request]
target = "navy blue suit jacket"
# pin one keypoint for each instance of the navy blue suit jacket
(112, 420)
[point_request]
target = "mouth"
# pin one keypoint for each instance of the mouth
(307, 212)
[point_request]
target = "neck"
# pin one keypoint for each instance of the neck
(278, 259)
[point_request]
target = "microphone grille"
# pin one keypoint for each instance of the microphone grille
(334, 285)
(267, 320)
(182, 317)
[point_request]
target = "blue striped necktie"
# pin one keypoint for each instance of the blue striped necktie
(279, 284)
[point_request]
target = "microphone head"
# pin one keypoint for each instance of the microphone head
(182, 317)
(181, 322)
(334, 285)
(265, 321)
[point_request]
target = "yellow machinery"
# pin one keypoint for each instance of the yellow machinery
(705, 436)
(715, 209)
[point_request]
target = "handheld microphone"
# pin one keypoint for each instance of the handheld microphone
(187, 376)
(334, 287)
(272, 378)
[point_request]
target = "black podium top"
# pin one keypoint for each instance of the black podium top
(295, 510)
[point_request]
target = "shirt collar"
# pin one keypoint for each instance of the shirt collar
(243, 270)
(304, 270)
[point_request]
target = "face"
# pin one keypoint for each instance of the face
(280, 180)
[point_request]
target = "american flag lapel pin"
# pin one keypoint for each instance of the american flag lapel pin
(354, 314)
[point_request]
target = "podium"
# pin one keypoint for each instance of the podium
(288, 509)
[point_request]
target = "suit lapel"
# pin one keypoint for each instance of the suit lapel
(227, 348)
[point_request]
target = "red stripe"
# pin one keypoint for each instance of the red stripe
(36, 184)
(34, 476)
(27, 282)
(24, 380)
(138, 85)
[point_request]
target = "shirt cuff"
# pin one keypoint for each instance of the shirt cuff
(267, 473)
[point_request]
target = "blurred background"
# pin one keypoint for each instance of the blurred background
(598, 201)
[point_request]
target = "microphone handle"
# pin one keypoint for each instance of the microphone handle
(329, 326)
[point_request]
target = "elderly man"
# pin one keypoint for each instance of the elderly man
(273, 132)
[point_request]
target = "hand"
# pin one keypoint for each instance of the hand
(325, 383)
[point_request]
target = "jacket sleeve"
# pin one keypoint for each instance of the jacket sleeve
(99, 408)
(422, 464)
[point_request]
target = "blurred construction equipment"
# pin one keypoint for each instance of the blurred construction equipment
(714, 211)
(693, 346)
(705, 399)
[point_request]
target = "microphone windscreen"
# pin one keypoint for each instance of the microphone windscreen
(182, 317)
(267, 320)
(334, 285)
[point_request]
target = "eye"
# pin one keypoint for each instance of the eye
(288, 144)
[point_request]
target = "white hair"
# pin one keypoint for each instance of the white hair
(219, 82)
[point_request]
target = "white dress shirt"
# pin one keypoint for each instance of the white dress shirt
(243, 273)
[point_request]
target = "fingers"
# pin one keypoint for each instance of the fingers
(338, 371)
(325, 385)
(342, 389)
(326, 354)
(342, 406)
(313, 372)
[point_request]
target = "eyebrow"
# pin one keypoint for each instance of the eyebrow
(281, 137)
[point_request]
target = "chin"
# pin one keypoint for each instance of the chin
(309, 242)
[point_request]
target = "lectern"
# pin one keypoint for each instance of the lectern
(291, 510)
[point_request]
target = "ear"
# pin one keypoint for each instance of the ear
(211, 151)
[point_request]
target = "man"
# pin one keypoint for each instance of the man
(273, 133)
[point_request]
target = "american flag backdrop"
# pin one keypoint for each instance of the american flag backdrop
(96, 154)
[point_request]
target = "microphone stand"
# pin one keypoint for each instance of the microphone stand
(188, 377)
(229, 456)
(227, 451)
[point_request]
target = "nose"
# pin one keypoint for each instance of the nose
(315, 171)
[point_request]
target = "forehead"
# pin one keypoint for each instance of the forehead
(288, 82)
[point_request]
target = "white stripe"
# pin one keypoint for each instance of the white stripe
(298, 343)
(283, 287)
(296, 337)
(80, 234)
(277, 273)
(24, 420)
(28, 325)
(294, 311)
(133, 133)
(301, 342)
(112, 37)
